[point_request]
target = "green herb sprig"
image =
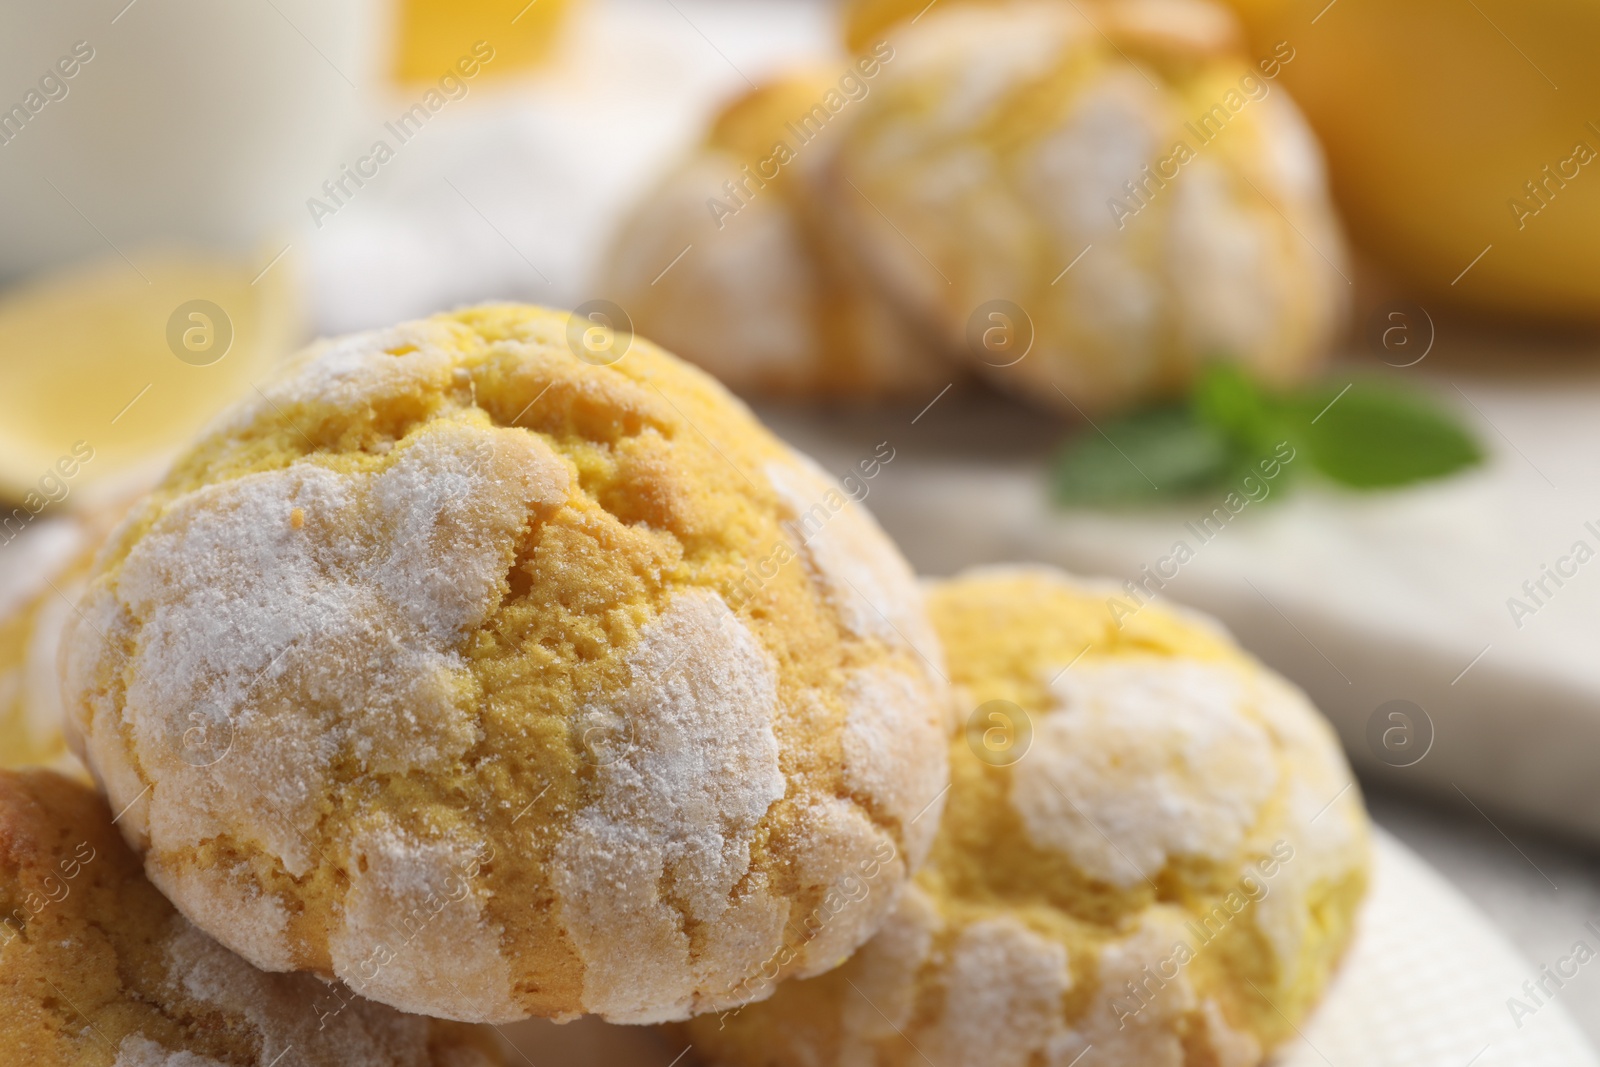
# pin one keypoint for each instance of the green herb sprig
(1366, 435)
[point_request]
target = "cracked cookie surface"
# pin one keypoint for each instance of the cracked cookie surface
(496, 681)
(1158, 856)
(98, 970)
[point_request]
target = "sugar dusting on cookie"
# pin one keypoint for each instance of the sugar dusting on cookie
(1167, 875)
(668, 840)
(449, 587)
(305, 651)
(1201, 769)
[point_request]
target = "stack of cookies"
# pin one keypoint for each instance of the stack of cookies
(498, 665)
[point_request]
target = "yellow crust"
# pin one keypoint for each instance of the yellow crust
(1167, 775)
(96, 968)
(499, 682)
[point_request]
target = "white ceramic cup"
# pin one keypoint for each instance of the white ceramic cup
(181, 120)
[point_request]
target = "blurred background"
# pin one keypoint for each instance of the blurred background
(1285, 309)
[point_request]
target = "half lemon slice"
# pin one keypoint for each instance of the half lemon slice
(107, 366)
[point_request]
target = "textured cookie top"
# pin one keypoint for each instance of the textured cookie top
(97, 968)
(1092, 200)
(1151, 846)
(498, 681)
(729, 260)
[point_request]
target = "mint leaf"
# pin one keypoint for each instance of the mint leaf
(1140, 456)
(1227, 398)
(1366, 435)
(1376, 436)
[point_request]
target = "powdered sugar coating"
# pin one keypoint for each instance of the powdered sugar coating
(343, 667)
(1148, 1036)
(1143, 762)
(361, 1035)
(227, 898)
(413, 922)
(1150, 885)
(669, 838)
(861, 872)
(110, 972)
(894, 753)
(1003, 988)
(1326, 816)
(1141, 1000)
(886, 971)
(865, 577)
(136, 1050)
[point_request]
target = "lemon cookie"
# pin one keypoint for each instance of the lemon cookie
(1091, 201)
(45, 570)
(98, 970)
(728, 262)
(1151, 846)
(496, 681)
(31, 617)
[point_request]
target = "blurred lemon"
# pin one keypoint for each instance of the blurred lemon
(435, 34)
(1448, 139)
(106, 366)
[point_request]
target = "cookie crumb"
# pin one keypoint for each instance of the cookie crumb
(297, 518)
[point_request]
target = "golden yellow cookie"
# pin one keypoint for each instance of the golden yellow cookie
(31, 616)
(98, 970)
(1092, 201)
(46, 569)
(729, 263)
(1151, 847)
(497, 681)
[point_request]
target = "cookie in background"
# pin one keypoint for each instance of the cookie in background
(730, 261)
(97, 967)
(1092, 201)
(1152, 847)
